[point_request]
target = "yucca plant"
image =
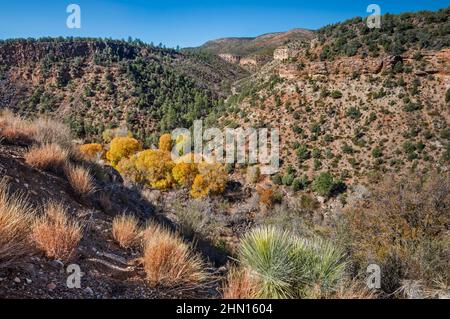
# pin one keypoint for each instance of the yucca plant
(319, 265)
(268, 252)
(290, 267)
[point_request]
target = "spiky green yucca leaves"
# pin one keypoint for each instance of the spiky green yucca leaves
(319, 265)
(290, 267)
(268, 253)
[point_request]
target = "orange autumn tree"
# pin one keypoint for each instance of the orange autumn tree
(155, 167)
(185, 171)
(122, 147)
(91, 151)
(211, 180)
(165, 143)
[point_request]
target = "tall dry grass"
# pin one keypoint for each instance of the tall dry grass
(56, 234)
(80, 179)
(240, 284)
(42, 130)
(14, 128)
(48, 157)
(16, 218)
(125, 230)
(170, 262)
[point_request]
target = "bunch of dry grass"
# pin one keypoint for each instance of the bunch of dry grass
(351, 289)
(49, 157)
(48, 131)
(55, 234)
(169, 261)
(16, 218)
(240, 285)
(15, 129)
(125, 230)
(80, 179)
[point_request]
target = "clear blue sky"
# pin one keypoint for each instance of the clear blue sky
(188, 22)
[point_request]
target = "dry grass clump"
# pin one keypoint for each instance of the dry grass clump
(49, 157)
(15, 129)
(240, 285)
(169, 261)
(56, 234)
(48, 131)
(125, 230)
(16, 218)
(80, 179)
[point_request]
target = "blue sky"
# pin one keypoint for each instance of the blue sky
(186, 23)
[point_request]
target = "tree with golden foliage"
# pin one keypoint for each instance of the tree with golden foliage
(185, 173)
(165, 143)
(211, 180)
(155, 167)
(122, 147)
(91, 151)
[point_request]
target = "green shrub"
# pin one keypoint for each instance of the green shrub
(354, 113)
(303, 153)
(377, 152)
(300, 183)
(288, 179)
(323, 184)
(336, 94)
(277, 179)
(287, 266)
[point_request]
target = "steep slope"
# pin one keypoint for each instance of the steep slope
(96, 84)
(356, 114)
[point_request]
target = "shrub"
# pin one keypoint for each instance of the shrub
(48, 131)
(122, 147)
(185, 173)
(288, 179)
(354, 113)
(323, 184)
(155, 167)
(16, 218)
(303, 153)
(165, 143)
(127, 168)
(125, 230)
(268, 253)
(290, 267)
(241, 284)
(377, 152)
(49, 157)
(300, 183)
(211, 180)
(55, 234)
(403, 227)
(80, 179)
(277, 179)
(447, 96)
(265, 196)
(168, 261)
(91, 151)
(15, 129)
(336, 94)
